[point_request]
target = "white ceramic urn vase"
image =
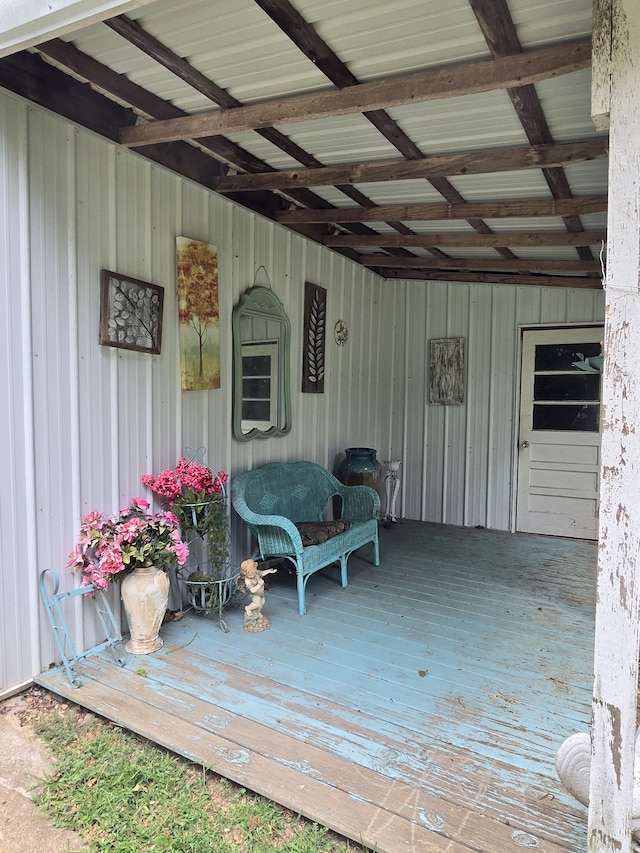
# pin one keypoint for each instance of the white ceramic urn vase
(145, 594)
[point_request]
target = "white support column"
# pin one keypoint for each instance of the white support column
(617, 615)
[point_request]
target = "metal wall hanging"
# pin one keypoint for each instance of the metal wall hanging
(446, 371)
(340, 333)
(130, 313)
(315, 325)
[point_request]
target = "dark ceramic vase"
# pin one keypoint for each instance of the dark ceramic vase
(360, 467)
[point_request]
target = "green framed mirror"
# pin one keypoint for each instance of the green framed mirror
(261, 370)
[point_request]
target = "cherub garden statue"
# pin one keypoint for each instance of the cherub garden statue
(251, 581)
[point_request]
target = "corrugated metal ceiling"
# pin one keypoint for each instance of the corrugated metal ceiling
(238, 46)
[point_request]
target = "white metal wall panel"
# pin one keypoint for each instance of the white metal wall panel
(18, 611)
(85, 421)
(458, 460)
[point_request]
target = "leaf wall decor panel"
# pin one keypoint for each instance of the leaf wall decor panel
(315, 327)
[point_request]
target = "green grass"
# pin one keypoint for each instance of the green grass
(123, 794)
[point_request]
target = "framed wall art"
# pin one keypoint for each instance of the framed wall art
(198, 314)
(130, 313)
(446, 371)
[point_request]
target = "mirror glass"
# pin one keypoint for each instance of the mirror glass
(261, 393)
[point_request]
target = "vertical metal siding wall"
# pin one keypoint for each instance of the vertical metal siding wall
(18, 608)
(458, 460)
(83, 422)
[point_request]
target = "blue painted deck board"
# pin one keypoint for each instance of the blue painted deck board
(433, 691)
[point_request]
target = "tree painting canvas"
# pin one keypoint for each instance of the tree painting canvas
(198, 314)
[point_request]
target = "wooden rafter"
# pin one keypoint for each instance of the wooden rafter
(136, 35)
(124, 90)
(415, 212)
(516, 279)
(466, 239)
(451, 81)
(317, 51)
(263, 188)
(484, 264)
(119, 87)
(474, 163)
(498, 28)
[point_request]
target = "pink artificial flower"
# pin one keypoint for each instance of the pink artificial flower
(128, 530)
(99, 581)
(181, 466)
(181, 550)
(191, 476)
(111, 561)
(169, 518)
(165, 485)
(112, 545)
(76, 558)
(219, 482)
(140, 503)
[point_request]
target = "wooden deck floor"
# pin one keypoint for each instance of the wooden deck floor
(419, 709)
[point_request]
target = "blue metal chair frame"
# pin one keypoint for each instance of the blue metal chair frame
(53, 605)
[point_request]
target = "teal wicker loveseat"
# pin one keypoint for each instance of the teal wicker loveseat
(274, 498)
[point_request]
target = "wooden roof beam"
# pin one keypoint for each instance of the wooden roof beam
(428, 212)
(467, 239)
(483, 264)
(495, 21)
(578, 281)
(315, 48)
(144, 41)
(433, 84)
(473, 163)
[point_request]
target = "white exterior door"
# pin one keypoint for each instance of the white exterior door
(559, 440)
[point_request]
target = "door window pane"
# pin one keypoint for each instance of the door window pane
(563, 356)
(581, 386)
(558, 417)
(567, 387)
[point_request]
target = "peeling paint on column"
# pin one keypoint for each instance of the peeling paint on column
(616, 740)
(599, 841)
(617, 622)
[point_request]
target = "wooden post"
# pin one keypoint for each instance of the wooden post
(601, 63)
(617, 78)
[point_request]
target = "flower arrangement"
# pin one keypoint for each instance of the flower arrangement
(112, 546)
(196, 496)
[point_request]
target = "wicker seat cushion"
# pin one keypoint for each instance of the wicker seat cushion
(315, 532)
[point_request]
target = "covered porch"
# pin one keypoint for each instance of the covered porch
(418, 709)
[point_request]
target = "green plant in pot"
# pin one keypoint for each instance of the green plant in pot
(197, 497)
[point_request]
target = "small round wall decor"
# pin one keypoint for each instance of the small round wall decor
(340, 333)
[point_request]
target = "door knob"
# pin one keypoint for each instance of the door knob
(524, 445)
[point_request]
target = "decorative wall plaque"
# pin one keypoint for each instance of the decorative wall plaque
(315, 326)
(446, 371)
